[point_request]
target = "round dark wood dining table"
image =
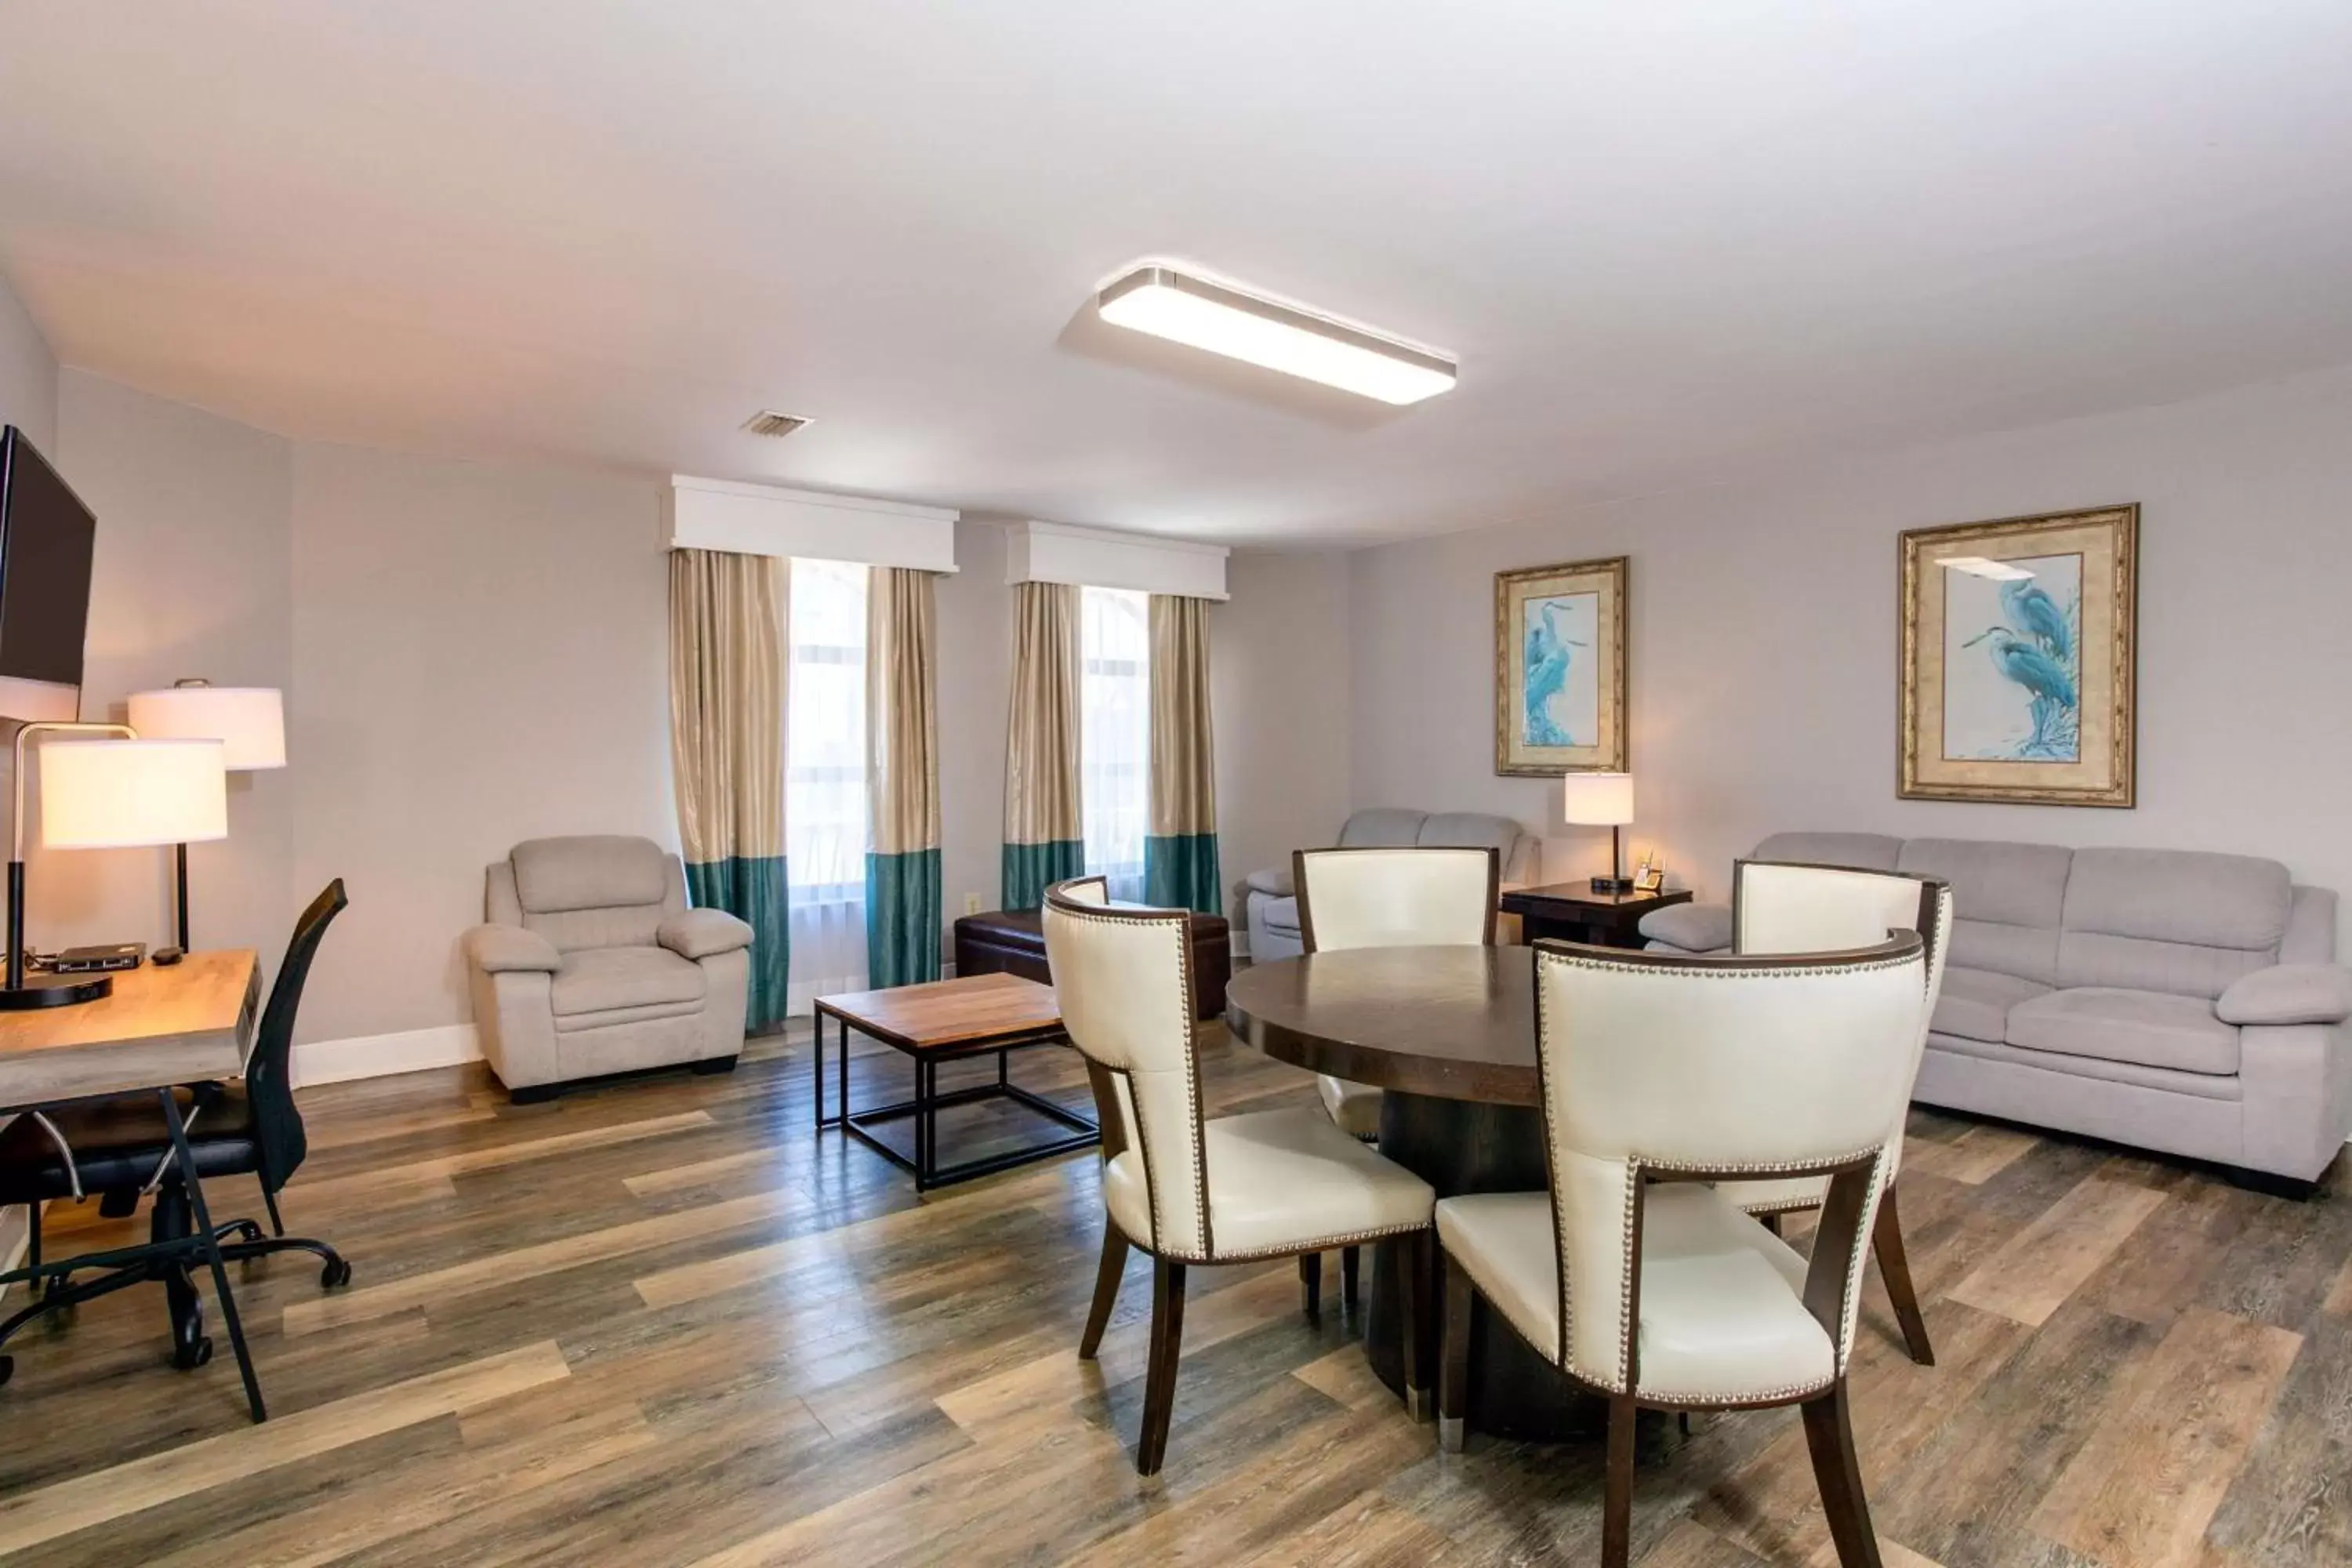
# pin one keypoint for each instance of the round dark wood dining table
(1449, 1034)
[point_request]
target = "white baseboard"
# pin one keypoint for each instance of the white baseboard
(380, 1056)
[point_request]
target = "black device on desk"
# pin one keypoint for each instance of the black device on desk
(95, 960)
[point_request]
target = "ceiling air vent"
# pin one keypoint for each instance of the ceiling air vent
(768, 422)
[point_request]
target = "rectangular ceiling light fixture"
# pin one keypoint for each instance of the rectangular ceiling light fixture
(1224, 320)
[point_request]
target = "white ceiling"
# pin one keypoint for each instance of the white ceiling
(1666, 238)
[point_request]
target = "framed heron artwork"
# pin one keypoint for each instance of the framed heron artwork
(2019, 645)
(1560, 668)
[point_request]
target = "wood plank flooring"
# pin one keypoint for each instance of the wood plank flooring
(667, 1323)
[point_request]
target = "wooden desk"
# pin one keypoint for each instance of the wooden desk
(157, 1029)
(192, 1021)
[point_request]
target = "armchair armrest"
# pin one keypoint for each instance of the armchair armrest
(1694, 928)
(498, 950)
(2289, 994)
(701, 933)
(1273, 882)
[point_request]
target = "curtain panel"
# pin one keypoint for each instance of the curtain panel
(727, 750)
(1179, 855)
(1044, 843)
(902, 777)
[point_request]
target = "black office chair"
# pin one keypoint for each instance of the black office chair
(121, 1150)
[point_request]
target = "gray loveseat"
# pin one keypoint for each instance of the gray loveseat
(2173, 1000)
(1273, 905)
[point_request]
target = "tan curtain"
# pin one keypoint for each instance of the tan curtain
(727, 748)
(1044, 841)
(1180, 855)
(902, 776)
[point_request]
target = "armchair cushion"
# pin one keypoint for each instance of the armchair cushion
(698, 933)
(608, 979)
(2289, 994)
(1274, 881)
(1694, 928)
(499, 949)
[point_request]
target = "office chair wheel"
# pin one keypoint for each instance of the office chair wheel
(189, 1357)
(335, 1272)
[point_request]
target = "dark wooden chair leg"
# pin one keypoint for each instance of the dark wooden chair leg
(1106, 1277)
(1829, 1433)
(1160, 1378)
(1453, 1363)
(1617, 1507)
(1310, 1285)
(1412, 1300)
(1351, 1261)
(1771, 1222)
(1895, 1266)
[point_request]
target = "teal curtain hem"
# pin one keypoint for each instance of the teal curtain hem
(902, 919)
(751, 888)
(1031, 869)
(1179, 872)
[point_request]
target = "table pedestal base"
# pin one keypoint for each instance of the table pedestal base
(1461, 1146)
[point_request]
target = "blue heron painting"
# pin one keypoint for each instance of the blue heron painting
(1557, 687)
(2019, 700)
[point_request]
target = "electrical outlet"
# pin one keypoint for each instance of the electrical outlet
(971, 903)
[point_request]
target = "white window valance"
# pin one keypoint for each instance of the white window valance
(769, 520)
(1100, 558)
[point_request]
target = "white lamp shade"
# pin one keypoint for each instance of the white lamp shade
(1597, 800)
(118, 794)
(249, 721)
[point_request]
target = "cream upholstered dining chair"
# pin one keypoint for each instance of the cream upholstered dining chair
(1658, 1073)
(1785, 909)
(1419, 897)
(1185, 1189)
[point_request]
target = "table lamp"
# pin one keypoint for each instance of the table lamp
(107, 795)
(1602, 800)
(249, 721)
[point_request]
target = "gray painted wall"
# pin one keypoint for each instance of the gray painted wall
(1763, 636)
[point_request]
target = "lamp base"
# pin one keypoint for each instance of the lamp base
(54, 991)
(1613, 884)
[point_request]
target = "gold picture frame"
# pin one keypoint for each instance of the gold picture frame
(1560, 668)
(2019, 674)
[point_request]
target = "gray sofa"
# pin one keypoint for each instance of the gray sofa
(2176, 1001)
(589, 962)
(1272, 915)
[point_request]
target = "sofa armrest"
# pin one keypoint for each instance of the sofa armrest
(1273, 882)
(2289, 994)
(1694, 928)
(701, 933)
(501, 949)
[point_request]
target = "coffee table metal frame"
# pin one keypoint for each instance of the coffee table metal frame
(928, 1101)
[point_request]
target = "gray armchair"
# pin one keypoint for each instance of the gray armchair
(1272, 904)
(591, 963)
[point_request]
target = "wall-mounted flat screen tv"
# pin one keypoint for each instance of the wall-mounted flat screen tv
(45, 535)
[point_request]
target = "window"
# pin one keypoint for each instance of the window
(1114, 734)
(824, 780)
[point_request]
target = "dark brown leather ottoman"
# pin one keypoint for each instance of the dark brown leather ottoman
(1011, 941)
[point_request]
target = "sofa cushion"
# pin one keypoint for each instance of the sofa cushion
(2150, 1028)
(2170, 919)
(2007, 900)
(605, 979)
(1280, 915)
(1382, 827)
(589, 872)
(1692, 928)
(1975, 1003)
(1860, 851)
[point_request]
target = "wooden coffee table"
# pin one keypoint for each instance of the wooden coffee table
(946, 1021)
